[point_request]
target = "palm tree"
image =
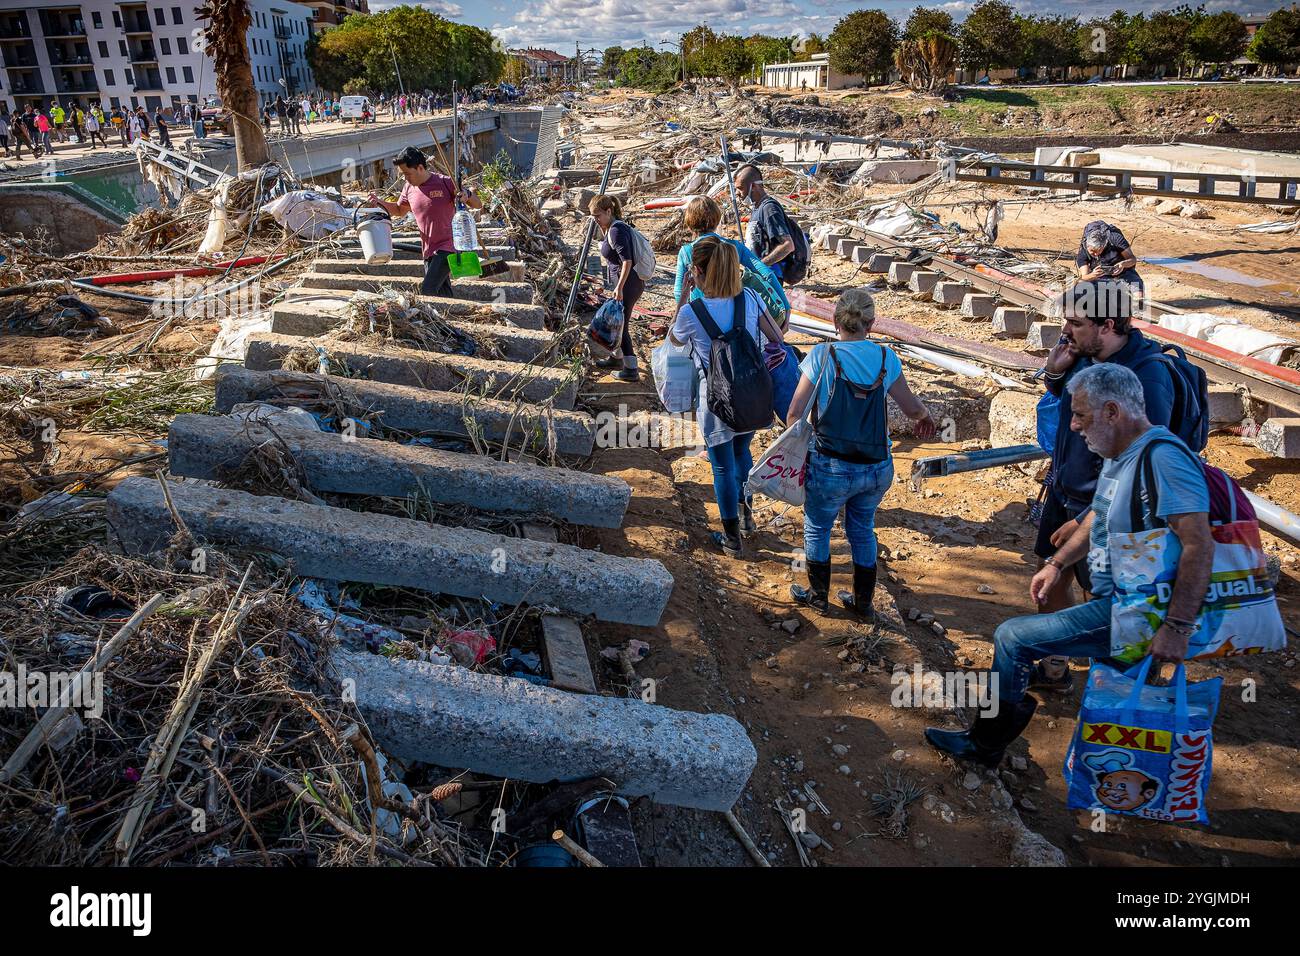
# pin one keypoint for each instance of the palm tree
(226, 40)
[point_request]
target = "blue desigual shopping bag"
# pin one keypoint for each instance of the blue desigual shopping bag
(1140, 750)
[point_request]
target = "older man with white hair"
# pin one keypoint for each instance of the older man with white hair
(1108, 410)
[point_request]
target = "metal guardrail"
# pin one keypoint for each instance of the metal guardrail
(1123, 182)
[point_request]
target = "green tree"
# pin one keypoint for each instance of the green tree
(764, 49)
(609, 61)
(923, 20)
(1162, 39)
(1050, 42)
(1103, 43)
(862, 44)
(731, 60)
(1217, 38)
(1276, 43)
(990, 36)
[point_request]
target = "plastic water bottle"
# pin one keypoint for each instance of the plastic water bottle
(464, 233)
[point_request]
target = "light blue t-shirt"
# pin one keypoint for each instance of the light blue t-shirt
(687, 327)
(1180, 489)
(747, 259)
(860, 362)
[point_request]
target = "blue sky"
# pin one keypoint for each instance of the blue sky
(558, 24)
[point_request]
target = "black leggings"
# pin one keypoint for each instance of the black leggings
(632, 290)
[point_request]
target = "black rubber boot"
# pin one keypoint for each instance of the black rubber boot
(819, 586)
(747, 527)
(988, 737)
(864, 586)
(729, 537)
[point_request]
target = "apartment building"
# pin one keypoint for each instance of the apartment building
(330, 13)
(138, 52)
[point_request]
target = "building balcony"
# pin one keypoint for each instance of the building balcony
(282, 32)
(27, 89)
(82, 86)
(80, 60)
(144, 56)
(14, 31)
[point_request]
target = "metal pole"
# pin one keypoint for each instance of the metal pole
(586, 248)
(393, 50)
(731, 185)
(455, 138)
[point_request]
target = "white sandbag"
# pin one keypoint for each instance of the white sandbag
(262, 413)
(308, 214)
(232, 341)
(1232, 334)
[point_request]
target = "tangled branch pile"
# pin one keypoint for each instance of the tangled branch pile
(222, 738)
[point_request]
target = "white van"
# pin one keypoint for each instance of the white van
(352, 107)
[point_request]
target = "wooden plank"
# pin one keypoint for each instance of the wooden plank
(566, 654)
(562, 641)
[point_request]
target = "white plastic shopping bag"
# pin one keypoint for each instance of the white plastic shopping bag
(676, 376)
(780, 471)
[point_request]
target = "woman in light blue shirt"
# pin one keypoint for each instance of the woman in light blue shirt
(847, 468)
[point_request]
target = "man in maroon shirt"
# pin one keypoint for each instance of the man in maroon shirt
(431, 198)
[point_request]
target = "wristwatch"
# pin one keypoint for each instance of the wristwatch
(1182, 628)
(1055, 563)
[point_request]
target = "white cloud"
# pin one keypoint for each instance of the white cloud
(452, 11)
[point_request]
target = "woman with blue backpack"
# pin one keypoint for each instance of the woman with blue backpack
(726, 328)
(702, 217)
(849, 464)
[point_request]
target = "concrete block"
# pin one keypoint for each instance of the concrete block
(472, 290)
(1008, 320)
(922, 282)
(848, 246)
(415, 411)
(978, 306)
(1280, 437)
(566, 654)
(342, 545)
(203, 446)
(900, 273)
(469, 309)
(312, 315)
(831, 241)
(454, 717)
(1013, 418)
(511, 344)
(394, 267)
(896, 170)
(1043, 336)
(398, 366)
(949, 294)
(1227, 405)
(880, 262)
(862, 254)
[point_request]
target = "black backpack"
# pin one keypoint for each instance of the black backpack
(739, 384)
(795, 265)
(1190, 417)
(855, 425)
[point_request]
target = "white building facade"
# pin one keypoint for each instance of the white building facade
(142, 53)
(815, 73)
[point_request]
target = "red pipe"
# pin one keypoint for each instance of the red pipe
(125, 278)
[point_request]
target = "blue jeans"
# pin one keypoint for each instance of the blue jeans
(832, 484)
(731, 462)
(1079, 631)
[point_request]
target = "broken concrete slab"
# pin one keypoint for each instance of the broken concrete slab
(1008, 320)
(1043, 336)
(505, 727)
(472, 290)
(398, 366)
(526, 316)
(566, 654)
(415, 411)
(1013, 418)
(949, 295)
(1280, 437)
(900, 273)
(895, 170)
(976, 305)
(343, 545)
(848, 247)
(205, 446)
(922, 283)
(512, 344)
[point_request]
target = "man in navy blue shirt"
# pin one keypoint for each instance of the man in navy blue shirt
(1097, 328)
